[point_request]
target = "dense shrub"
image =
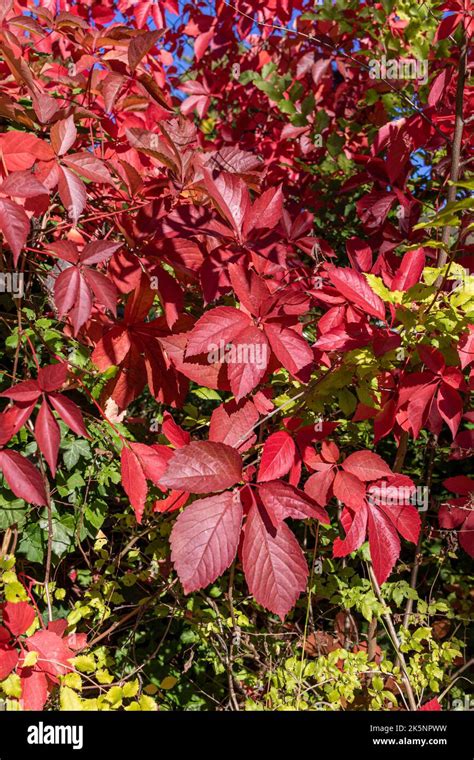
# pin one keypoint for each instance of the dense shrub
(236, 312)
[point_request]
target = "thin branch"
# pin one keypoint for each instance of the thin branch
(394, 638)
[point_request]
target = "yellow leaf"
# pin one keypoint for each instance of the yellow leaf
(168, 682)
(69, 700)
(30, 659)
(130, 689)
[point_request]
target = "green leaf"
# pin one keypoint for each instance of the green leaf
(268, 89)
(207, 394)
(95, 513)
(63, 530)
(286, 106)
(247, 76)
(347, 401)
(12, 512)
(31, 544)
(75, 481)
(75, 449)
(334, 144)
(268, 68)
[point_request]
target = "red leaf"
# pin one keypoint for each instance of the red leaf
(88, 166)
(345, 338)
(171, 296)
(355, 532)
(277, 457)
(65, 250)
(141, 45)
(98, 251)
(24, 480)
(283, 500)
(72, 193)
(133, 481)
(290, 349)
(447, 26)
(251, 350)
(23, 185)
(53, 652)
(15, 226)
(24, 392)
(450, 407)
(366, 465)
(204, 539)
(201, 43)
(384, 544)
(418, 407)
(216, 328)
(48, 436)
(139, 302)
(52, 377)
(385, 420)
(8, 661)
(103, 289)
(66, 289)
(112, 348)
(405, 518)
(233, 424)
(349, 489)
(203, 467)
(354, 286)
(275, 568)
(266, 211)
(69, 413)
(73, 296)
(466, 534)
(409, 271)
(110, 88)
(438, 87)
(466, 348)
(374, 207)
(360, 254)
(153, 459)
(459, 484)
(34, 689)
(63, 135)
(318, 485)
(231, 196)
(21, 149)
(18, 617)
(174, 433)
(432, 358)
(175, 500)
(432, 705)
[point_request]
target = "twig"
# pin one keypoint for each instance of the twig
(456, 676)
(417, 560)
(49, 550)
(394, 638)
